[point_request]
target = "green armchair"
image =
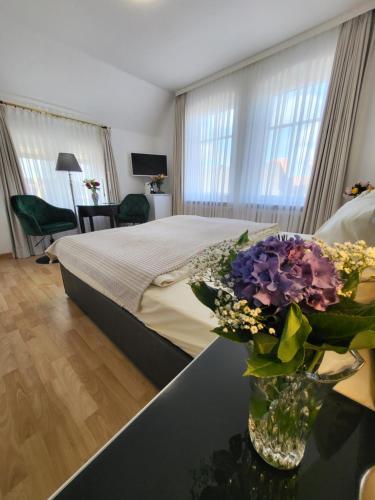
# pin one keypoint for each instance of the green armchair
(39, 218)
(134, 209)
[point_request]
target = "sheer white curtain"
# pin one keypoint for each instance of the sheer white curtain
(250, 137)
(38, 139)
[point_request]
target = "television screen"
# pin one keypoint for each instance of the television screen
(149, 164)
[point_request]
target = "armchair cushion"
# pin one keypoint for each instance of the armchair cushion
(132, 218)
(134, 208)
(57, 227)
(39, 218)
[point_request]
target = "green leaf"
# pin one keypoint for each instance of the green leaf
(327, 347)
(266, 365)
(244, 238)
(295, 332)
(351, 283)
(338, 329)
(258, 406)
(228, 261)
(237, 336)
(363, 340)
(353, 308)
(264, 343)
(205, 294)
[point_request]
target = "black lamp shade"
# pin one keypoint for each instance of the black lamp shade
(67, 162)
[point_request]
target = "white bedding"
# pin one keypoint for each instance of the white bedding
(353, 221)
(176, 314)
(123, 262)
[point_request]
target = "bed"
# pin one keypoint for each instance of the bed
(159, 328)
(170, 327)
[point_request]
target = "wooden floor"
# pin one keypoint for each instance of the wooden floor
(64, 388)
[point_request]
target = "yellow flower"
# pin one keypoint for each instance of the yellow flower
(354, 190)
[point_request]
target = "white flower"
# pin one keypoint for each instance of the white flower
(349, 257)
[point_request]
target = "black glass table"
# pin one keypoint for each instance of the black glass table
(106, 209)
(191, 442)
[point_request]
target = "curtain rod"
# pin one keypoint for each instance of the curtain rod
(49, 113)
(290, 42)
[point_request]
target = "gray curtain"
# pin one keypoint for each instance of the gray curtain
(11, 181)
(110, 168)
(331, 161)
(178, 155)
(361, 161)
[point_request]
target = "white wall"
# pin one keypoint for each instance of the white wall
(125, 142)
(43, 73)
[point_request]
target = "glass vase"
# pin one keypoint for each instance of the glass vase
(95, 197)
(283, 409)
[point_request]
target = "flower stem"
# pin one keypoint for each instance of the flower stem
(317, 357)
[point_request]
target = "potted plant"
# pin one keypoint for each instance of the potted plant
(94, 186)
(156, 182)
(358, 188)
(290, 300)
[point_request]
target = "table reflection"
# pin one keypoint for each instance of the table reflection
(238, 473)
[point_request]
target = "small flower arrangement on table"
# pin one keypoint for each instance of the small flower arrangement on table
(157, 180)
(290, 300)
(358, 188)
(94, 186)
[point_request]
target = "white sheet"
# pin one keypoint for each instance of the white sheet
(177, 315)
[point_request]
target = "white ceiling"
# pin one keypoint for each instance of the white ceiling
(171, 43)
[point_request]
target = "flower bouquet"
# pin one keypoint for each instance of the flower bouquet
(94, 186)
(290, 300)
(157, 180)
(358, 188)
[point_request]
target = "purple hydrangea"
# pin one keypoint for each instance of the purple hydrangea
(277, 273)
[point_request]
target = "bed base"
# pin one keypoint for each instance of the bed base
(155, 356)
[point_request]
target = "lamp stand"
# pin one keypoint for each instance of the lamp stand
(72, 191)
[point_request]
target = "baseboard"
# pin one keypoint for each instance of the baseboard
(6, 255)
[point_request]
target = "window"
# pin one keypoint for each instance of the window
(212, 132)
(251, 137)
(292, 136)
(216, 143)
(39, 138)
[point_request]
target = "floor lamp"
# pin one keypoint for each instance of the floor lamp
(67, 162)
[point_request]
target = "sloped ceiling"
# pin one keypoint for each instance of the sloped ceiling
(171, 43)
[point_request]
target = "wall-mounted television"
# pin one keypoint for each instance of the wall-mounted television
(148, 165)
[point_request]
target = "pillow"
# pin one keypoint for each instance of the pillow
(354, 221)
